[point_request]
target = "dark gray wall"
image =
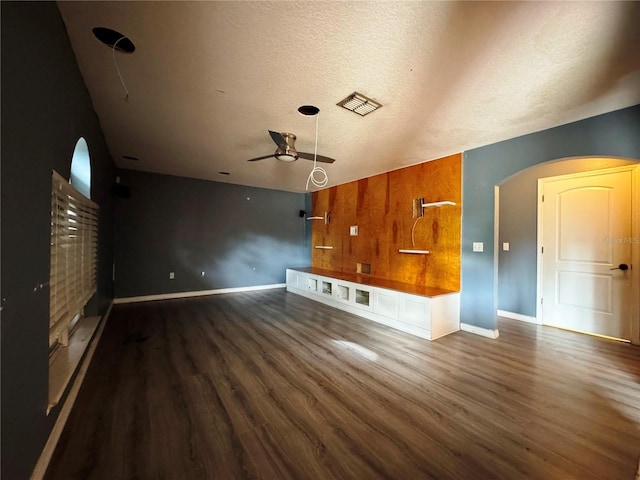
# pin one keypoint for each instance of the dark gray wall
(239, 236)
(45, 109)
(616, 134)
(518, 219)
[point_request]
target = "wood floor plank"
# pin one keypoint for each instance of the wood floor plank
(271, 385)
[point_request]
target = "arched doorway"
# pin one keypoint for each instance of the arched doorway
(516, 242)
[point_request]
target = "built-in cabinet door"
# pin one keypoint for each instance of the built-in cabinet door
(415, 311)
(296, 280)
(386, 303)
(292, 278)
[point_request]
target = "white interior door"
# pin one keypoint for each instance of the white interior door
(586, 240)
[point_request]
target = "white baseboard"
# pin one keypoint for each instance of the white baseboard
(47, 452)
(517, 316)
(199, 293)
(484, 332)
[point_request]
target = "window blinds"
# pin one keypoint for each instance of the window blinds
(72, 273)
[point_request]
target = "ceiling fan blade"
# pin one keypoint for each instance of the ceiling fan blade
(309, 156)
(279, 139)
(260, 158)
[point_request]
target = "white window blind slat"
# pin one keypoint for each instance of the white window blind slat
(72, 274)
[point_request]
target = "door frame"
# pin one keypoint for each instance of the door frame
(635, 241)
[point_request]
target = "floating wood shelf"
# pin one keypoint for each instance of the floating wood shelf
(438, 204)
(326, 218)
(416, 252)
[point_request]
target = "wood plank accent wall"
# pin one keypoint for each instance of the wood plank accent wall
(381, 207)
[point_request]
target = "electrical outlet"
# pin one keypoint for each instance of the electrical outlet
(172, 275)
(478, 247)
(353, 230)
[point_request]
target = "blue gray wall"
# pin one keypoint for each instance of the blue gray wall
(239, 236)
(616, 134)
(45, 109)
(518, 218)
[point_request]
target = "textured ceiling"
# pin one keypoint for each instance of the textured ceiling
(208, 79)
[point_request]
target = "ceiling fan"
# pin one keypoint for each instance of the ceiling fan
(286, 150)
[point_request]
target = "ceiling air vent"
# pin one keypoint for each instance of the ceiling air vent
(358, 103)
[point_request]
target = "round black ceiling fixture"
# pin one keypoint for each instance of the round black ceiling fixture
(110, 37)
(308, 110)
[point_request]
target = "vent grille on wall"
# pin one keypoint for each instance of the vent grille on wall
(358, 103)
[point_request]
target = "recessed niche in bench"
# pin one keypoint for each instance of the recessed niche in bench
(326, 287)
(362, 297)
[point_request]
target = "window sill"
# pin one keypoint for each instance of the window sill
(64, 363)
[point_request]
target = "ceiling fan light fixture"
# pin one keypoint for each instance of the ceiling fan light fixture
(360, 104)
(286, 157)
(286, 151)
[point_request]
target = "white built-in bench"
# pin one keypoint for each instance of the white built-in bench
(423, 311)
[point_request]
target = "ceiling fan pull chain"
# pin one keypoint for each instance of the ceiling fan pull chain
(113, 50)
(323, 178)
(315, 150)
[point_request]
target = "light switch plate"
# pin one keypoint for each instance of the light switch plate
(478, 247)
(505, 246)
(353, 230)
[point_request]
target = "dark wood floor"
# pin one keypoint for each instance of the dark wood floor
(272, 385)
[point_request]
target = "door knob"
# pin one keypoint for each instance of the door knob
(622, 266)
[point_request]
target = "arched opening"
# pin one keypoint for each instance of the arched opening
(81, 168)
(516, 241)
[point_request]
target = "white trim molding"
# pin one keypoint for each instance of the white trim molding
(483, 332)
(199, 293)
(47, 452)
(517, 316)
